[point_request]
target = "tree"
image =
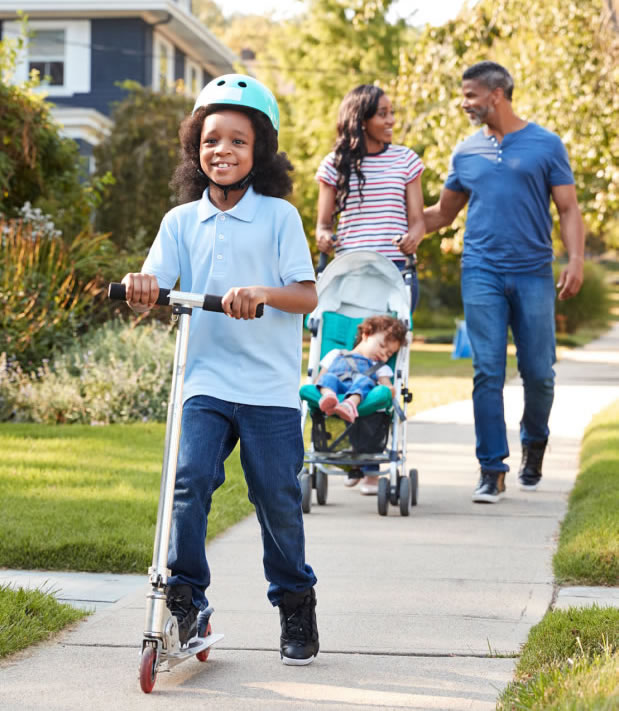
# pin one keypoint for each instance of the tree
(141, 154)
(317, 58)
(37, 165)
(563, 57)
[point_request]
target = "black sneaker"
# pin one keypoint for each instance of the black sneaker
(490, 488)
(298, 644)
(180, 603)
(531, 466)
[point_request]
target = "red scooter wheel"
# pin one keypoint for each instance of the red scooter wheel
(148, 669)
(203, 656)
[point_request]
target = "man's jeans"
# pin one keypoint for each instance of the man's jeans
(271, 455)
(492, 302)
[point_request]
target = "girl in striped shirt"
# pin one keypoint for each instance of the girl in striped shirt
(372, 190)
(368, 185)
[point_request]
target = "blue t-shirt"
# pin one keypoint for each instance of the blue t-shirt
(258, 242)
(508, 225)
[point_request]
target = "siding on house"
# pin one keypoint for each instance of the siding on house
(121, 49)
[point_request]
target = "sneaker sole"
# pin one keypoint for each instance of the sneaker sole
(528, 487)
(486, 498)
(288, 661)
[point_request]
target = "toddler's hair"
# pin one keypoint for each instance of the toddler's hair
(395, 329)
(271, 169)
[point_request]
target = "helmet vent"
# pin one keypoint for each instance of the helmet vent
(243, 84)
(221, 83)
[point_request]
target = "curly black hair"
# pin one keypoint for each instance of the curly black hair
(357, 106)
(270, 170)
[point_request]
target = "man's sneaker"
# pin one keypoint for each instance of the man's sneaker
(490, 488)
(298, 644)
(531, 466)
(180, 603)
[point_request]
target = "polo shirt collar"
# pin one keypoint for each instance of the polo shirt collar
(244, 210)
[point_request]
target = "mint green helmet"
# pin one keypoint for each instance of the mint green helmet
(240, 90)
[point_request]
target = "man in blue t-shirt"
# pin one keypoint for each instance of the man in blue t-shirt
(507, 172)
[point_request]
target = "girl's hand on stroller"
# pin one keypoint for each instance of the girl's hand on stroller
(241, 302)
(325, 240)
(142, 291)
(406, 243)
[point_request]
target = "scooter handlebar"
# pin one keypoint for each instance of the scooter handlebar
(208, 302)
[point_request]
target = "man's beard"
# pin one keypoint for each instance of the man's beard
(478, 116)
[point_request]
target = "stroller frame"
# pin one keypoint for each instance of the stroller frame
(399, 488)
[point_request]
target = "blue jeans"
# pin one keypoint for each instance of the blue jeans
(525, 302)
(271, 456)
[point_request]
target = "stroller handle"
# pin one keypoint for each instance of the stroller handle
(169, 297)
(324, 258)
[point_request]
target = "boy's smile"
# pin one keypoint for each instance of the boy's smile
(227, 146)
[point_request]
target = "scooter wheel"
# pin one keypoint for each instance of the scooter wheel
(203, 656)
(148, 669)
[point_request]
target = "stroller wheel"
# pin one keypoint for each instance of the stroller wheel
(414, 478)
(322, 487)
(404, 491)
(383, 495)
(394, 492)
(306, 491)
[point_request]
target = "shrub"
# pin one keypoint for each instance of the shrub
(47, 287)
(117, 373)
(141, 152)
(590, 305)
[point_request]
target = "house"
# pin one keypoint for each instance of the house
(83, 48)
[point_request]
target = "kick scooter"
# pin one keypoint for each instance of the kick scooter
(161, 645)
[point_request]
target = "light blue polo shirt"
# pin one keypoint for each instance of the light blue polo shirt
(508, 224)
(258, 242)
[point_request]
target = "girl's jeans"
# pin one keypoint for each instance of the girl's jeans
(271, 455)
(525, 302)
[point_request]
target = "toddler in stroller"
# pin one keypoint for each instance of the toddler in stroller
(360, 337)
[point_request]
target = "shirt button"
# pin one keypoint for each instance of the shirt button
(220, 256)
(221, 237)
(500, 160)
(222, 218)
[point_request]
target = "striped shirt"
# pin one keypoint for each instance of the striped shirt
(382, 215)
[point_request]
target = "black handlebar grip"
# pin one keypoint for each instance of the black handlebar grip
(213, 303)
(118, 292)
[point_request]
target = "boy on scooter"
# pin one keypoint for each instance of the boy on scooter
(233, 234)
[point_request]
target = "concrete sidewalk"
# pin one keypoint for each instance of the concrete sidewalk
(425, 612)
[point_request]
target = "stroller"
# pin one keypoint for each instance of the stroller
(354, 286)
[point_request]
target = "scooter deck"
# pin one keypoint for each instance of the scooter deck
(194, 646)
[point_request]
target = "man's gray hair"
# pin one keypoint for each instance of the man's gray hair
(492, 75)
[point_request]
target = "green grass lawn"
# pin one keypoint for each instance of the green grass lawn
(29, 616)
(570, 662)
(588, 551)
(85, 498)
(571, 658)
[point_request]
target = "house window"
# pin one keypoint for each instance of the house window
(193, 79)
(59, 50)
(46, 56)
(163, 68)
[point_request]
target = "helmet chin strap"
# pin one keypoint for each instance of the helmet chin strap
(239, 185)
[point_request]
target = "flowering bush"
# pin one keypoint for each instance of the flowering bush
(47, 285)
(119, 373)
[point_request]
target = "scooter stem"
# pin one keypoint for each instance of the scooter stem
(159, 570)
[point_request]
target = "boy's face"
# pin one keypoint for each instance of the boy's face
(227, 146)
(377, 346)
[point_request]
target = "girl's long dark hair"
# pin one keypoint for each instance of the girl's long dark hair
(357, 106)
(271, 169)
